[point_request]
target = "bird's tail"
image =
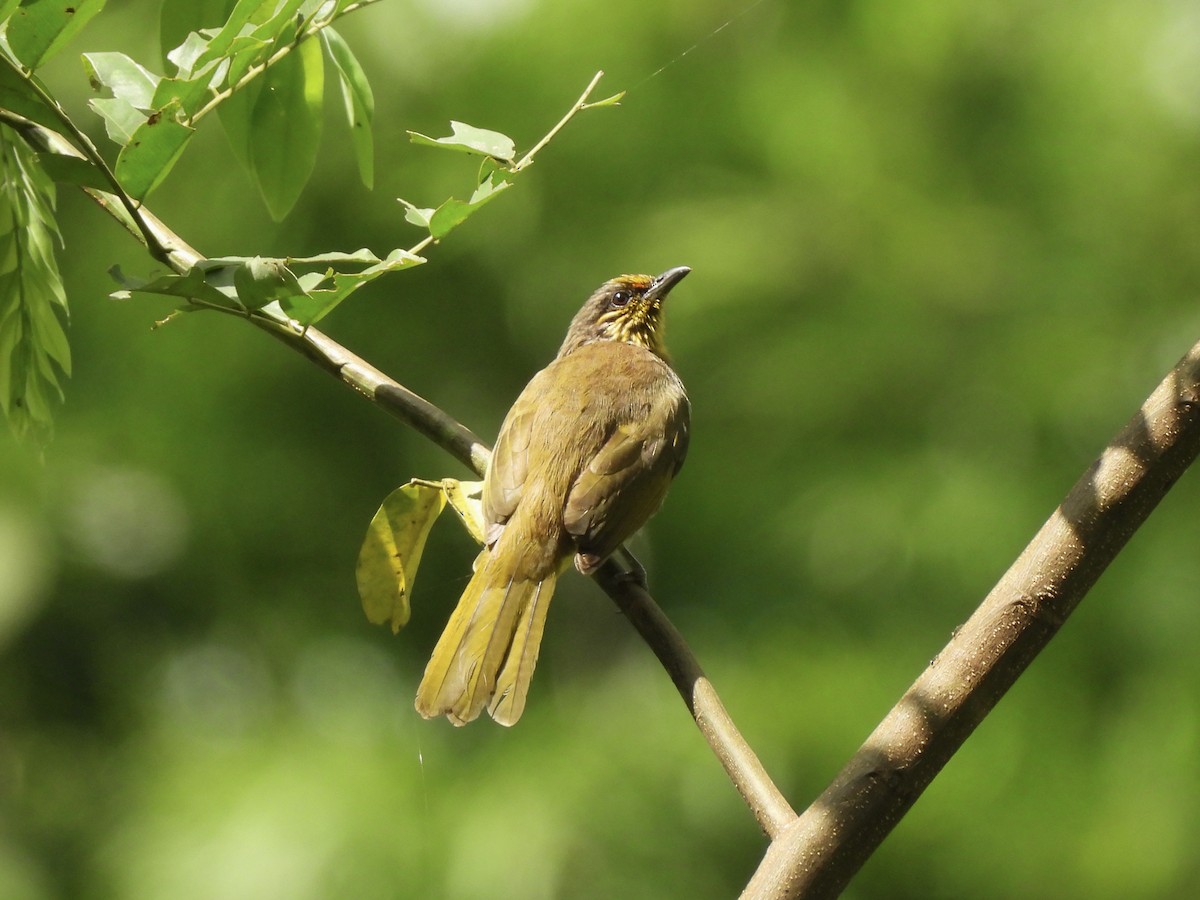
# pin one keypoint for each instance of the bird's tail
(487, 653)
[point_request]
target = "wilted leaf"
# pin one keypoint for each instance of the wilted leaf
(465, 498)
(391, 552)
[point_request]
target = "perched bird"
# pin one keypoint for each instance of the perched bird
(583, 459)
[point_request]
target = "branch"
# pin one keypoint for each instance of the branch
(819, 853)
(580, 105)
(743, 767)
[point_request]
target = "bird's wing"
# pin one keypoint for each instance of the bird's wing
(625, 482)
(508, 469)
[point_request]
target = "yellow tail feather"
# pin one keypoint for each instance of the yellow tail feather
(512, 685)
(489, 647)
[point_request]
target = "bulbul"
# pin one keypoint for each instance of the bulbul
(583, 459)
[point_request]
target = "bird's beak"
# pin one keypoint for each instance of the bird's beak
(661, 286)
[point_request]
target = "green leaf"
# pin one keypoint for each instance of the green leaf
(184, 57)
(358, 100)
(210, 282)
(237, 116)
(243, 13)
(189, 94)
(322, 296)
(469, 139)
(614, 100)
(73, 170)
(152, 150)
(180, 18)
(17, 95)
(418, 215)
(336, 256)
(35, 356)
(281, 26)
(126, 78)
(40, 28)
(453, 212)
(261, 281)
(245, 53)
(287, 127)
(391, 552)
(121, 120)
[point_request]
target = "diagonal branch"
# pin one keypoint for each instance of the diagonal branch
(742, 765)
(820, 852)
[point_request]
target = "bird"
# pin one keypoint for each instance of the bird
(583, 459)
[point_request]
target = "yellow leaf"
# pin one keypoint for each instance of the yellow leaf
(465, 498)
(388, 560)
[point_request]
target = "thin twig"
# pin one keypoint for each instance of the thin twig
(743, 766)
(818, 854)
(580, 105)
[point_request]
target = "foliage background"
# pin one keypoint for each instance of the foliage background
(942, 250)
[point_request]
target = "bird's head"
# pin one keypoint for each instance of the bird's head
(629, 309)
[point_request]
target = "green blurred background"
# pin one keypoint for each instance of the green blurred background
(942, 249)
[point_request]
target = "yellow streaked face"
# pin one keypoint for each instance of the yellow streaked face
(627, 309)
(630, 316)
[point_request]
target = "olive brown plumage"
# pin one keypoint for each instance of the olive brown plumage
(583, 459)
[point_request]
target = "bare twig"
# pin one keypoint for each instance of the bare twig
(580, 105)
(818, 854)
(765, 800)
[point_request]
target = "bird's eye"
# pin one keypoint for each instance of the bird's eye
(620, 298)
